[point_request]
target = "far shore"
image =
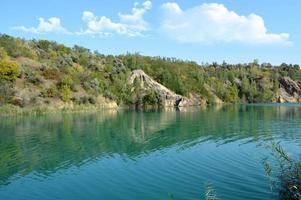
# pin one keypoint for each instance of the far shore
(12, 110)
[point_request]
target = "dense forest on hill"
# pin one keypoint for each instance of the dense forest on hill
(41, 72)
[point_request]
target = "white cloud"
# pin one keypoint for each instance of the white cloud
(129, 24)
(213, 22)
(52, 25)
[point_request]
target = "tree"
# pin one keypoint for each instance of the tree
(231, 95)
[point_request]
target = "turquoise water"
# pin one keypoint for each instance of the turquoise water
(145, 154)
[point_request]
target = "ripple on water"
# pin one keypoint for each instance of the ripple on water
(144, 155)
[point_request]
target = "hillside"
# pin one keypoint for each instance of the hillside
(44, 73)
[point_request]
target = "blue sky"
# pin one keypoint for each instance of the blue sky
(203, 31)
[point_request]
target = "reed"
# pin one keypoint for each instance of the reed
(289, 172)
(210, 193)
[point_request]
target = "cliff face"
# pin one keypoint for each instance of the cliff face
(290, 90)
(166, 96)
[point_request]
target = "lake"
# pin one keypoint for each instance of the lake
(153, 154)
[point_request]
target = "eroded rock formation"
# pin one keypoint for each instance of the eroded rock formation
(290, 90)
(166, 96)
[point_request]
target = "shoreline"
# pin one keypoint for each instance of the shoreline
(12, 110)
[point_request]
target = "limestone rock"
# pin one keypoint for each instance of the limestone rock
(168, 97)
(290, 90)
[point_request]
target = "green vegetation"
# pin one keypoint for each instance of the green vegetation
(9, 70)
(65, 93)
(41, 72)
(210, 193)
(289, 173)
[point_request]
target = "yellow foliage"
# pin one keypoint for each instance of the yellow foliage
(9, 70)
(66, 93)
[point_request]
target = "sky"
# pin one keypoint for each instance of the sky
(205, 31)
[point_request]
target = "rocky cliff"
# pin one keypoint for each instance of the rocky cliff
(290, 90)
(166, 96)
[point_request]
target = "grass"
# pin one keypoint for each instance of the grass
(10, 110)
(210, 193)
(290, 172)
(291, 183)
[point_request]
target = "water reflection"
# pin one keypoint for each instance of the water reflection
(48, 143)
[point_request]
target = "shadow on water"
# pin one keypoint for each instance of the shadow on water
(48, 143)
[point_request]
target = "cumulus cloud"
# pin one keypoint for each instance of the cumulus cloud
(214, 22)
(132, 24)
(52, 25)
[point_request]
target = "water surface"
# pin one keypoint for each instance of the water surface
(151, 154)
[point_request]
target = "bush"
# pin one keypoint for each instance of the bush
(52, 74)
(92, 100)
(16, 47)
(9, 70)
(3, 54)
(92, 85)
(65, 93)
(231, 96)
(21, 101)
(50, 92)
(84, 100)
(150, 99)
(64, 62)
(6, 92)
(33, 77)
(118, 66)
(67, 80)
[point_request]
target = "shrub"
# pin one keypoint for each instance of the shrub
(67, 80)
(3, 54)
(6, 92)
(84, 100)
(21, 101)
(231, 95)
(64, 61)
(9, 70)
(50, 92)
(92, 85)
(65, 93)
(92, 100)
(33, 77)
(16, 47)
(118, 66)
(52, 74)
(150, 99)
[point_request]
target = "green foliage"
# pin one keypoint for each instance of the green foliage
(33, 76)
(150, 99)
(16, 47)
(289, 172)
(65, 93)
(6, 92)
(3, 54)
(90, 74)
(9, 70)
(232, 94)
(67, 80)
(52, 74)
(82, 55)
(50, 92)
